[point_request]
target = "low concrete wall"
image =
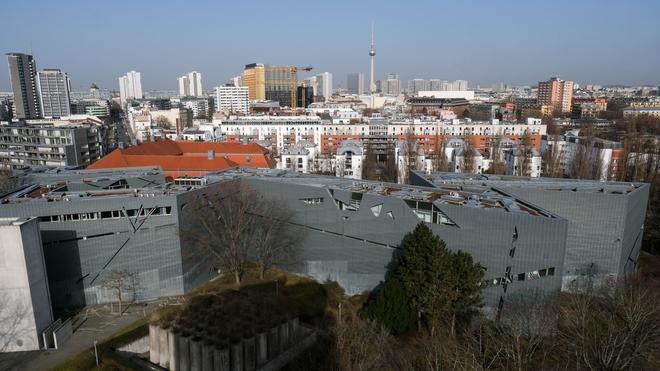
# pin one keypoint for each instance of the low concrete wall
(138, 346)
(62, 333)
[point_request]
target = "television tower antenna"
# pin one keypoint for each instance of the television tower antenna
(372, 54)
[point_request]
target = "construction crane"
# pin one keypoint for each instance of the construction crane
(304, 68)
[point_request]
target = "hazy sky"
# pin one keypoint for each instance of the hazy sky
(515, 41)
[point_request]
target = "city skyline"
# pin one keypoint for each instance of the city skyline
(519, 49)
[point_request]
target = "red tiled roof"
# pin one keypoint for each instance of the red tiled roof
(190, 158)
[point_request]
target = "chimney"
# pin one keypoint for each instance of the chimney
(211, 154)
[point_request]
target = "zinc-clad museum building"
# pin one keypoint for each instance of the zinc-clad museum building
(94, 221)
(605, 219)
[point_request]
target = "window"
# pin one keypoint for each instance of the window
(521, 277)
(376, 209)
(390, 214)
(312, 200)
(551, 271)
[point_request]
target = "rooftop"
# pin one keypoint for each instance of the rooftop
(549, 184)
(191, 158)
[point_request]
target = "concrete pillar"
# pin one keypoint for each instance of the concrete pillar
(207, 356)
(294, 330)
(221, 360)
(184, 353)
(273, 343)
(164, 352)
(283, 330)
(154, 343)
(249, 354)
(196, 355)
(237, 356)
(261, 348)
(173, 349)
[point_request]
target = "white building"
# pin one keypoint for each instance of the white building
(465, 94)
(232, 99)
(54, 89)
(25, 305)
(416, 85)
(392, 85)
(299, 157)
(130, 86)
(324, 85)
(349, 158)
(190, 85)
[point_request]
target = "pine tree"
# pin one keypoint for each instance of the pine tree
(466, 278)
(391, 308)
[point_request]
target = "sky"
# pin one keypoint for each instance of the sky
(519, 42)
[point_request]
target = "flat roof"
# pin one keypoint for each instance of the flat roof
(551, 184)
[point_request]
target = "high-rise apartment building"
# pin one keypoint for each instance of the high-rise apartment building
(392, 86)
(460, 85)
(54, 89)
(416, 85)
(556, 93)
(305, 96)
(355, 83)
(190, 85)
(130, 86)
(325, 85)
(232, 99)
(434, 85)
(276, 83)
(23, 79)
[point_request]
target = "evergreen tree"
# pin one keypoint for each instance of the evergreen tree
(427, 278)
(391, 308)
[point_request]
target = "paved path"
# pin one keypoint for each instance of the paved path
(98, 325)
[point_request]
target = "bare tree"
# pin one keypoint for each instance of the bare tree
(276, 241)
(552, 158)
(163, 122)
(468, 160)
(499, 165)
(524, 329)
(234, 223)
(584, 162)
(121, 282)
(440, 162)
(363, 345)
(525, 155)
(615, 327)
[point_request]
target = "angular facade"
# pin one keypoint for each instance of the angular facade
(605, 219)
(95, 221)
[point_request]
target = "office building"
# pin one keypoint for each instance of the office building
(277, 83)
(605, 219)
(23, 80)
(54, 93)
(94, 107)
(355, 83)
(201, 107)
(254, 78)
(26, 310)
(416, 85)
(556, 93)
(304, 96)
(232, 99)
(325, 85)
(48, 145)
(190, 85)
(130, 87)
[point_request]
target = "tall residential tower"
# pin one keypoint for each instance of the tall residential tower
(23, 79)
(54, 93)
(130, 86)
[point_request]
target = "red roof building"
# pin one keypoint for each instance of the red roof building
(188, 158)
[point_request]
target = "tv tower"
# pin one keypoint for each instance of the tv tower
(372, 54)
